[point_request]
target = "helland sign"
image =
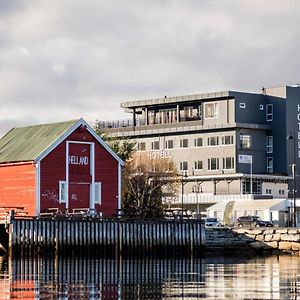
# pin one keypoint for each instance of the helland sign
(159, 154)
(78, 160)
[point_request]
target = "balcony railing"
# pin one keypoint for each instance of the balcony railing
(201, 198)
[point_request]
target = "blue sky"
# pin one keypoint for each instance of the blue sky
(62, 60)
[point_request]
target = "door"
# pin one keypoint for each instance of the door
(79, 195)
(80, 174)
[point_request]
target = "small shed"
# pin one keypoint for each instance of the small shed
(62, 165)
(275, 210)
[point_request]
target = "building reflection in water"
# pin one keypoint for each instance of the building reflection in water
(209, 278)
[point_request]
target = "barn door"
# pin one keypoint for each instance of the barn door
(80, 174)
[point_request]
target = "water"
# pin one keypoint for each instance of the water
(207, 278)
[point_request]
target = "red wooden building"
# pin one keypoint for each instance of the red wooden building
(62, 165)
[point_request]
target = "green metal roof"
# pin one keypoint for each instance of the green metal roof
(27, 143)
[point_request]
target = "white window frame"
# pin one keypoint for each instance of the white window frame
(217, 164)
(270, 166)
(98, 193)
(196, 144)
(248, 139)
(182, 143)
(167, 144)
(63, 192)
(181, 166)
(215, 110)
(242, 105)
(269, 144)
(209, 141)
(153, 144)
(196, 165)
(269, 116)
(225, 167)
(230, 140)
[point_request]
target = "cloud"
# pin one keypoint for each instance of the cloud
(67, 59)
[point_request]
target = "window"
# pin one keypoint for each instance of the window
(155, 145)
(198, 165)
(142, 146)
(213, 141)
(269, 112)
(183, 166)
(269, 144)
(261, 107)
(62, 192)
(198, 142)
(210, 110)
(213, 164)
(242, 105)
(184, 143)
(227, 140)
(269, 164)
(228, 163)
(97, 199)
(245, 140)
(169, 144)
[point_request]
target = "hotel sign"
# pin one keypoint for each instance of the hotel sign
(159, 154)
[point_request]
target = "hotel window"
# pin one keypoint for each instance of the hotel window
(198, 165)
(97, 193)
(155, 145)
(169, 144)
(198, 142)
(210, 110)
(245, 140)
(62, 192)
(242, 105)
(183, 166)
(228, 163)
(269, 164)
(269, 144)
(227, 140)
(141, 146)
(213, 164)
(269, 112)
(213, 141)
(184, 143)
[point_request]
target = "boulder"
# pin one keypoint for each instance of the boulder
(281, 230)
(284, 246)
(260, 237)
(269, 231)
(295, 246)
(268, 237)
(272, 244)
(277, 237)
(290, 237)
(256, 245)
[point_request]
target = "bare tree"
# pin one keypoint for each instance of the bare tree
(146, 182)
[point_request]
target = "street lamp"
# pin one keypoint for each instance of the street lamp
(197, 189)
(291, 136)
(183, 183)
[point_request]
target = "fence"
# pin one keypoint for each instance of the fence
(105, 236)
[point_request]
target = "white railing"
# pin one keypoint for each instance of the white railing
(194, 198)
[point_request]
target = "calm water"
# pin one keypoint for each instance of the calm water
(209, 278)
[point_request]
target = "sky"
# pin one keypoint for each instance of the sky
(67, 59)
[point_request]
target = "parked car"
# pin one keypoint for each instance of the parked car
(252, 221)
(212, 222)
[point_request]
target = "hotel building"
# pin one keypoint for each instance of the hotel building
(213, 137)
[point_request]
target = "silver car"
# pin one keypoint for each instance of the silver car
(212, 222)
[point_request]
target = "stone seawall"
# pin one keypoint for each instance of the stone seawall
(277, 240)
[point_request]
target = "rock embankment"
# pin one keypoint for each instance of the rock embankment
(277, 240)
